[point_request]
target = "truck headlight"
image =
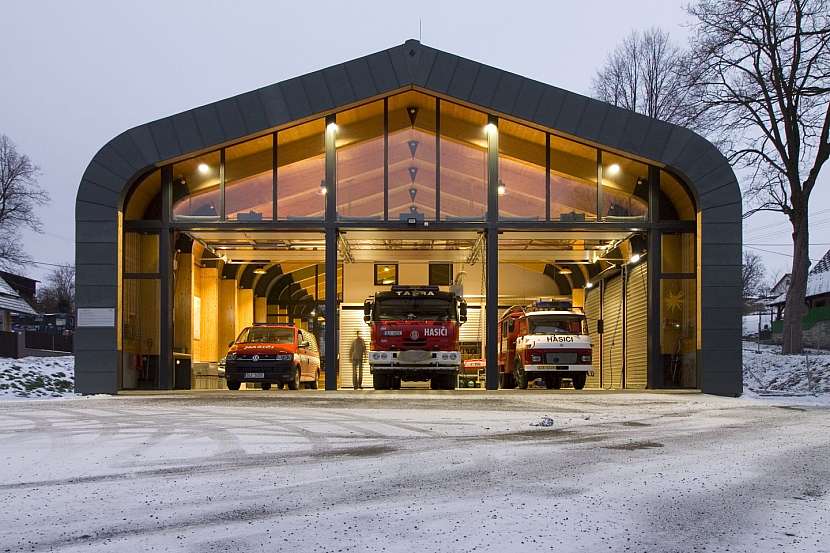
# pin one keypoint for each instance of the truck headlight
(536, 358)
(230, 357)
(585, 357)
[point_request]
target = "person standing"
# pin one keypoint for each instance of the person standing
(356, 353)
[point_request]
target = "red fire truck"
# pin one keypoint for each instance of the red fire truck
(415, 333)
(548, 341)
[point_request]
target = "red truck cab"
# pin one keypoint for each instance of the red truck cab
(414, 336)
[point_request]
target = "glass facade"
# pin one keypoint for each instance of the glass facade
(360, 162)
(522, 166)
(412, 156)
(249, 180)
(463, 162)
(573, 181)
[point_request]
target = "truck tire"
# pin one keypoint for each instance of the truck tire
(313, 384)
(382, 381)
(294, 383)
(266, 386)
(436, 382)
(553, 382)
(233, 385)
(578, 380)
(396, 383)
(520, 374)
(506, 381)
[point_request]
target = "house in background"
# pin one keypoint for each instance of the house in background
(17, 295)
(816, 323)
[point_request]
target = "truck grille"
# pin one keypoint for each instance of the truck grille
(565, 358)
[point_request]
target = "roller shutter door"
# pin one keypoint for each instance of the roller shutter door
(351, 319)
(471, 331)
(592, 312)
(636, 327)
(612, 338)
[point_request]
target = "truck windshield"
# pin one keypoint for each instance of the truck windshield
(415, 309)
(264, 334)
(556, 324)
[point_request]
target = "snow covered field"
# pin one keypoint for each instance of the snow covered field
(413, 471)
(37, 377)
(768, 373)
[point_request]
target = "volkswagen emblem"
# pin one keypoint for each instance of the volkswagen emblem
(414, 335)
(255, 358)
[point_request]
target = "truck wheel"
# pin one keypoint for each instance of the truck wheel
(450, 381)
(436, 383)
(506, 381)
(233, 385)
(396, 383)
(382, 382)
(294, 383)
(521, 375)
(313, 384)
(578, 380)
(266, 385)
(553, 382)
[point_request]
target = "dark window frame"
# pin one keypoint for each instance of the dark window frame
(441, 264)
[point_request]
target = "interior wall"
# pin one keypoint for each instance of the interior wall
(227, 312)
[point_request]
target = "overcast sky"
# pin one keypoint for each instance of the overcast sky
(75, 74)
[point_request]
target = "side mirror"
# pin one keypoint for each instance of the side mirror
(305, 344)
(367, 311)
(230, 343)
(462, 312)
(511, 325)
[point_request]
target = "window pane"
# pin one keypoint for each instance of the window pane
(678, 253)
(412, 156)
(141, 253)
(145, 199)
(624, 188)
(386, 274)
(440, 274)
(463, 163)
(249, 180)
(196, 187)
(360, 162)
(675, 203)
(521, 172)
(678, 337)
(573, 180)
(141, 336)
(301, 168)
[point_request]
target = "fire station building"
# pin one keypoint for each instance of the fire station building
(295, 202)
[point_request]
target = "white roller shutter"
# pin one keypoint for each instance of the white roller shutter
(473, 330)
(592, 312)
(636, 327)
(351, 319)
(612, 339)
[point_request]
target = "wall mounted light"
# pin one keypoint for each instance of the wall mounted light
(323, 188)
(332, 127)
(613, 169)
(634, 258)
(490, 128)
(203, 168)
(589, 284)
(502, 189)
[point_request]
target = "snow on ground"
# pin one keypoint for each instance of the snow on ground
(770, 374)
(414, 471)
(750, 323)
(37, 377)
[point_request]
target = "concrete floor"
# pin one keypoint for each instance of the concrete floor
(413, 471)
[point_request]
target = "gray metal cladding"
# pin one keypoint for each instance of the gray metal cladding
(131, 154)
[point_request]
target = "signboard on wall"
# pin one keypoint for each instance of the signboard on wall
(96, 317)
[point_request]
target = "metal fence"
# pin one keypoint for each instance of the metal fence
(8, 344)
(52, 342)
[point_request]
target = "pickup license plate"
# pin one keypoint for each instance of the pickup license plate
(254, 375)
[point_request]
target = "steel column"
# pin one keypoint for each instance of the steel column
(166, 375)
(654, 371)
(332, 319)
(492, 255)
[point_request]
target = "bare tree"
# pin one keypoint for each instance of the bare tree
(765, 80)
(58, 293)
(20, 194)
(649, 74)
(753, 275)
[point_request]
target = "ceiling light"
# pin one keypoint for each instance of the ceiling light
(502, 189)
(259, 271)
(589, 284)
(613, 169)
(565, 271)
(634, 258)
(203, 168)
(313, 313)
